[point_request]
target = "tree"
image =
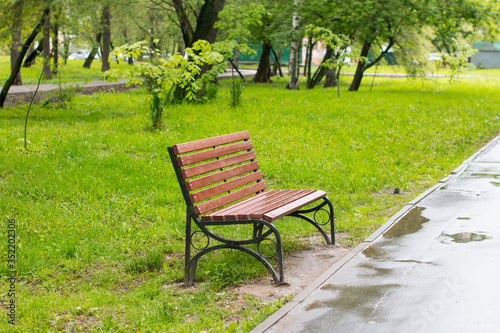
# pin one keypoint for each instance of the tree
(205, 16)
(293, 64)
(454, 19)
(236, 22)
(17, 10)
(106, 37)
(263, 74)
(19, 61)
(47, 72)
(336, 46)
(385, 21)
(162, 82)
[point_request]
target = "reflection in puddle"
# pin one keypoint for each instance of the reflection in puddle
(485, 175)
(463, 237)
(360, 300)
(373, 269)
(374, 251)
(408, 224)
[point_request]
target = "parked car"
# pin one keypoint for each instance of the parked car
(81, 55)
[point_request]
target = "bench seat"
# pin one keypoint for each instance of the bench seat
(269, 205)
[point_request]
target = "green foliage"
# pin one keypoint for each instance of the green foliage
(211, 91)
(235, 92)
(61, 97)
(458, 60)
(237, 20)
(172, 80)
(337, 42)
(461, 18)
(421, 67)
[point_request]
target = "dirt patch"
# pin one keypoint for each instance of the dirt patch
(300, 269)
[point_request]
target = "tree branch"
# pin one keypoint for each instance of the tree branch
(20, 58)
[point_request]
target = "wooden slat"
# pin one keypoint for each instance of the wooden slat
(244, 213)
(223, 213)
(219, 164)
(219, 214)
(228, 198)
(256, 207)
(224, 187)
(213, 153)
(220, 176)
(257, 211)
(210, 142)
(293, 206)
(270, 206)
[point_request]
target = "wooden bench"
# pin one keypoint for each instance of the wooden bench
(222, 185)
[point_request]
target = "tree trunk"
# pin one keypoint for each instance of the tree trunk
(236, 60)
(17, 12)
(308, 63)
(55, 45)
(46, 48)
(205, 21)
(294, 62)
(321, 71)
(30, 59)
(360, 69)
(277, 63)
(66, 48)
(17, 67)
(308, 55)
(331, 78)
(106, 38)
(263, 74)
(209, 14)
(93, 52)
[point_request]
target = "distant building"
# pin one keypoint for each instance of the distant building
(488, 55)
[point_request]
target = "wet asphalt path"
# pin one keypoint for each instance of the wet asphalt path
(437, 269)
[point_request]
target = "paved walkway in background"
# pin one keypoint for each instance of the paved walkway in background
(30, 88)
(433, 267)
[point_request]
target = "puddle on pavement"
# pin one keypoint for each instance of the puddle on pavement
(464, 237)
(485, 175)
(373, 269)
(361, 300)
(374, 251)
(408, 224)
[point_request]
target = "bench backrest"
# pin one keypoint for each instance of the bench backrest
(206, 169)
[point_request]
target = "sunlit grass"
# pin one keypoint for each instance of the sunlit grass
(98, 207)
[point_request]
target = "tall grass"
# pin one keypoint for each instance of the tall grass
(100, 215)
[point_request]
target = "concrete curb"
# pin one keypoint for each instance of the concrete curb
(275, 317)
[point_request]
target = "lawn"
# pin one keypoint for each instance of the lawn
(73, 71)
(100, 217)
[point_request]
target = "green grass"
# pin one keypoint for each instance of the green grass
(71, 72)
(101, 218)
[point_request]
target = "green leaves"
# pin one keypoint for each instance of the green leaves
(164, 77)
